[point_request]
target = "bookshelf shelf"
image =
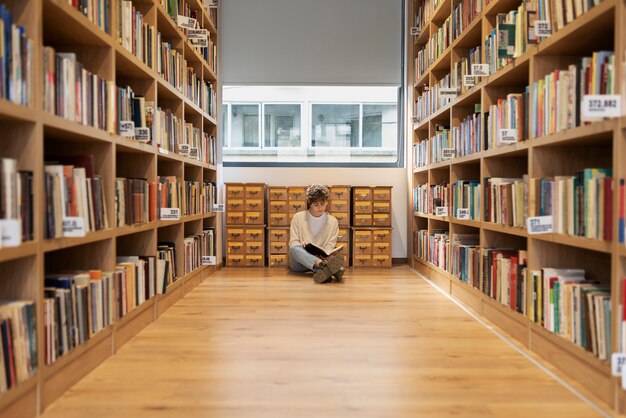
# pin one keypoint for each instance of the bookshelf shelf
(443, 62)
(441, 13)
(422, 80)
(10, 111)
(512, 74)
(17, 393)
(56, 126)
(134, 229)
(130, 66)
(64, 243)
(579, 242)
(422, 38)
(470, 36)
(26, 249)
(70, 27)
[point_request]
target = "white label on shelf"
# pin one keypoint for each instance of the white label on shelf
(441, 211)
(543, 28)
(218, 207)
(163, 151)
(416, 120)
(618, 360)
(142, 134)
(198, 37)
(448, 92)
(415, 31)
(212, 3)
(601, 106)
(447, 153)
(73, 227)
(170, 214)
(540, 225)
(10, 232)
(186, 22)
(208, 260)
(194, 152)
(183, 149)
(508, 136)
(463, 213)
(623, 381)
(127, 128)
(468, 81)
(480, 70)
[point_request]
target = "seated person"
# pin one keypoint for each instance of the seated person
(318, 227)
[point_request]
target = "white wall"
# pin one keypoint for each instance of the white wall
(283, 176)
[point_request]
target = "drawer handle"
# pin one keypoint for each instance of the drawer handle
(363, 247)
(254, 247)
(254, 261)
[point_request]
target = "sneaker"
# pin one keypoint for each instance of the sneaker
(339, 275)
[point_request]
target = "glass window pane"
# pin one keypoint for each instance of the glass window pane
(245, 125)
(335, 125)
(282, 125)
(380, 126)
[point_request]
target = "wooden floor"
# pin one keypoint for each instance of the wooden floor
(262, 343)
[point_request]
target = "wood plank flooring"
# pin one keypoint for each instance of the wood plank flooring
(266, 343)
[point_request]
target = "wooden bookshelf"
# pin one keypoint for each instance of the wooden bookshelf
(32, 136)
(599, 144)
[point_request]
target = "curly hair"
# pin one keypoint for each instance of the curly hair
(316, 193)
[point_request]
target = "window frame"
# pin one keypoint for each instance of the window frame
(302, 124)
(230, 125)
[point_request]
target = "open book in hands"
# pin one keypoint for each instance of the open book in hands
(319, 252)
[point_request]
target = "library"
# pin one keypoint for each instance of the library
(336, 208)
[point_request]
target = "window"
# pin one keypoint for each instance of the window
(244, 125)
(282, 125)
(335, 125)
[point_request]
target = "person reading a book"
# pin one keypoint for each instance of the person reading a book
(313, 237)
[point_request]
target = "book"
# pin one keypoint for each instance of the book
(16, 203)
(319, 252)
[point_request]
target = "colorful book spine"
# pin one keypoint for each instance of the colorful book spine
(440, 144)
(465, 258)
(439, 249)
(16, 204)
(467, 137)
(466, 196)
(505, 200)
(18, 342)
(507, 121)
(16, 61)
(97, 11)
(463, 14)
(420, 154)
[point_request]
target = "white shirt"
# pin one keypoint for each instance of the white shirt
(316, 223)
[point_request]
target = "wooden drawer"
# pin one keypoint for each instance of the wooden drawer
(278, 206)
(341, 193)
(236, 247)
(298, 206)
(338, 206)
(279, 247)
(234, 234)
(277, 193)
(235, 218)
(254, 234)
(362, 261)
(362, 193)
(344, 235)
(254, 205)
(381, 207)
(297, 193)
(361, 248)
(343, 219)
(381, 248)
(364, 206)
(235, 261)
(255, 247)
(234, 191)
(254, 218)
(278, 260)
(254, 261)
(382, 193)
(235, 205)
(255, 191)
(278, 235)
(289, 218)
(381, 260)
(381, 235)
(279, 219)
(362, 220)
(382, 219)
(362, 235)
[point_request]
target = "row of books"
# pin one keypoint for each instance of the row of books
(466, 200)
(427, 198)
(621, 195)
(420, 154)
(199, 197)
(196, 247)
(16, 60)
(467, 137)
(423, 12)
(563, 12)
(441, 145)
(138, 37)
(433, 98)
(171, 64)
(507, 121)
(580, 205)
(462, 79)
(463, 14)
(166, 252)
(506, 200)
(97, 11)
(201, 93)
(510, 38)
(75, 198)
(74, 93)
(135, 201)
(16, 204)
(18, 342)
(78, 305)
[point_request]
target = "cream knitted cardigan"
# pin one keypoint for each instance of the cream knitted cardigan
(300, 231)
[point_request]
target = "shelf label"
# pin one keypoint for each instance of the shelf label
(183, 149)
(10, 232)
(448, 93)
(127, 128)
(463, 213)
(73, 227)
(468, 81)
(212, 4)
(194, 152)
(208, 260)
(441, 211)
(618, 361)
(447, 153)
(480, 70)
(186, 22)
(198, 37)
(601, 106)
(623, 381)
(163, 151)
(415, 31)
(416, 120)
(508, 136)
(142, 134)
(170, 214)
(543, 28)
(540, 225)
(218, 207)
